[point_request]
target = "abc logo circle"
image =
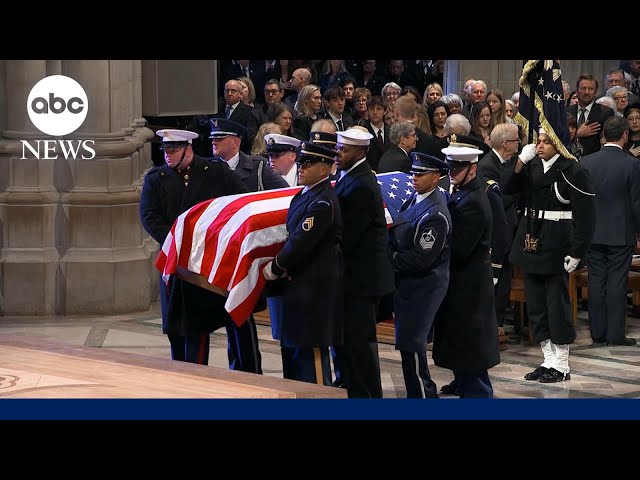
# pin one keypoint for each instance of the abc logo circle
(57, 105)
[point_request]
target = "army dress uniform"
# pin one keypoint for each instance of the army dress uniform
(310, 264)
(189, 313)
(420, 248)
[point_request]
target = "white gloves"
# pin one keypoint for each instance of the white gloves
(528, 152)
(495, 282)
(267, 273)
(570, 263)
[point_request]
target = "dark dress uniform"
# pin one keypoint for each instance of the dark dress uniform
(311, 258)
(420, 248)
(544, 275)
(465, 333)
(368, 274)
(257, 175)
(189, 313)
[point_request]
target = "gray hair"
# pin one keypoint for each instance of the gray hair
(609, 102)
(450, 98)
(399, 130)
(391, 85)
(616, 89)
(457, 123)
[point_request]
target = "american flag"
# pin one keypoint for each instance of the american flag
(396, 188)
(229, 240)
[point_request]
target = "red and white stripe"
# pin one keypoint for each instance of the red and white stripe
(228, 240)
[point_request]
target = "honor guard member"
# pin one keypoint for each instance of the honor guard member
(323, 134)
(420, 248)
(282, 151)
(465, 333)
(552, 238)
(310, 265)
(189, 313)
(226, 138)
(368, 274)
(328, 140)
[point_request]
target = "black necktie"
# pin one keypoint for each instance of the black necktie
(380, 139)
(581, 116)
(227, 113)
(340, 126)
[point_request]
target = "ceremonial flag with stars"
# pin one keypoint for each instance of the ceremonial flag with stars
(396, 188)
(546, 97)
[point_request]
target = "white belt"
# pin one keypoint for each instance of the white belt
(548, 214)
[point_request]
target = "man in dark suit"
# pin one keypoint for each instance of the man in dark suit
(496, 166)
(616, 178)
(420, 247)
(334, 103)
(235, 109)
(402, 137)
(368, 274)
(590, 115)
(257, 175)
(189, 313)
(376, 126)
(552, 237)
(465, 332)
(311, 263)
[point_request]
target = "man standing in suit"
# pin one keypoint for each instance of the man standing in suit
(420, 246)
(368, 274)
(377, 128)
(616, 179)
(189, 313)
(311, 263)
(590, 115)
(235, 109)
(495, 166)
(257, 175)
(402, 138)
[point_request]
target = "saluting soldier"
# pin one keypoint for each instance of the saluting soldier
(465, 333)
(420, 248)
(552, 238)
(189, 313)
(310, 265)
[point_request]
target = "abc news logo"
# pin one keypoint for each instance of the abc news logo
(57, 106)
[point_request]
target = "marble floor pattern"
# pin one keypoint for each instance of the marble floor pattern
(596, 372)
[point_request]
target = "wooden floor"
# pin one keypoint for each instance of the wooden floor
(33, 368)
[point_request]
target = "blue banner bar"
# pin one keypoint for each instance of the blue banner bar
(302, 409)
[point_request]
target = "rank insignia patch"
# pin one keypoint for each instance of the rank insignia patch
(307, 224)
(427, 239)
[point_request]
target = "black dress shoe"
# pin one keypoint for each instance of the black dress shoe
(451, 389)
(536, 374)
(552, 376)
(626, 342)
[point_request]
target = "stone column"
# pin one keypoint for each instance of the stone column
(71, 238)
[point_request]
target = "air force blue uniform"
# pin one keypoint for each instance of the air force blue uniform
(420, 245)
